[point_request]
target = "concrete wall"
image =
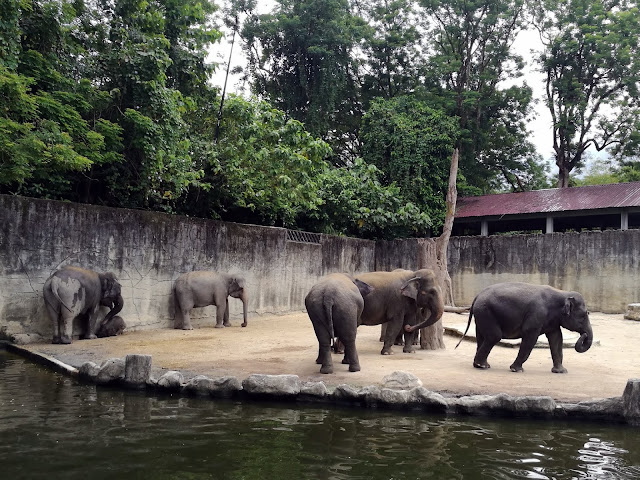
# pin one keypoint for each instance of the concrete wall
(147, 251)
(603, 266)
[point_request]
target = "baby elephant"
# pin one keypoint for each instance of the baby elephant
(112, 327)
(334, 305)
(200, 289)
(521, 310)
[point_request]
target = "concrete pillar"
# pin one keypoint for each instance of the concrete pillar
(624, 220)
(484, 228)
(549, 225)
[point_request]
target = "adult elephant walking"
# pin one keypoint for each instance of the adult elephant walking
(203, 288)
(401, 298)
(77, 292)
(522, 310)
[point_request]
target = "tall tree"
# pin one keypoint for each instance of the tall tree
(591, 60)
(470, 57)
(301, 58)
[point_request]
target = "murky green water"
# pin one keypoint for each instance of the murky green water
(52, 427)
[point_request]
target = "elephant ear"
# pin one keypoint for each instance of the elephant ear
(110, 286)
(410, 289)
(365, 288)
(239, 281)
(569, 303)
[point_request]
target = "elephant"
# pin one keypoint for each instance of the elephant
(74, 292)
(526, 311)
(111, 328)
(334, 306)
(401, 299)
(203, 288)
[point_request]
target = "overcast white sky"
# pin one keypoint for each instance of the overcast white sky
(540, 126)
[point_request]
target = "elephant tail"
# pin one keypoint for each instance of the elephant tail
(468, 324)
(55, 284)
(328, 315)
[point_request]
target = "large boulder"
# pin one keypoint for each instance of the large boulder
(281, 386)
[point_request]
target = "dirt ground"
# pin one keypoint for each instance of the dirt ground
(286, 344)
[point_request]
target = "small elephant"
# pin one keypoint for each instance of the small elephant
(77, 292)
(111, 328)
(203, 288)
(402, 299)
(334, 306)
(521, 310)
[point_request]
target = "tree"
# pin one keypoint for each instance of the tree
(470, 57)
(592, 66)
(301, 60)
(410, 143)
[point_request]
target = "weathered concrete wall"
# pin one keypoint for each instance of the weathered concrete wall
(603, 266)
(147, 251)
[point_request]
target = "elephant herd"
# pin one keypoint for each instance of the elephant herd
(403, 300)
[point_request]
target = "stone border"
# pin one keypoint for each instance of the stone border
(402, 391)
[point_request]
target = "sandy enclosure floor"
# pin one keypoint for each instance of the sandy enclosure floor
(286, 344)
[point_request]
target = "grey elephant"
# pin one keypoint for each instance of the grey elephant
(334, 305)
(405, 300)
(203, 288)
(522, 310)
(74, 292)
(112, 327)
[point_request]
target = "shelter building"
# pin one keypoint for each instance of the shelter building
(594, 207)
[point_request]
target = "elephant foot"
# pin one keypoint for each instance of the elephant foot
(326, 369)
(226, 324)
(354, 368)
(65, 340)
(219, 326)
(56, 340)
(243, 324)
(386, 352)
(483, 365)
(516, 368)
(560, 369)
(89, 337)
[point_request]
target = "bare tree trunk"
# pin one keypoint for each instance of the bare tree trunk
(432, 253)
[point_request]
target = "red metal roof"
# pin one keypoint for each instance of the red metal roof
(592, 197)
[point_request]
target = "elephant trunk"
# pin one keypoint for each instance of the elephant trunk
(436, 309)
(117, 306)
(244, 299)
(584, 342)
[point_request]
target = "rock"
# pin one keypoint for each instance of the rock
(137, 370)
(111, 371)
(610, 409)
(199, 385)
(633, 312)
(88, 371)
(171, 380)
(225, 387)
(503, 404)
(428, 400)
(346, 393)
(314, 390)
(272, 385)
(631, 401)
(401, 380)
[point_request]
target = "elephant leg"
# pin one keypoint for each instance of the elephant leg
(90, 319)
(55, 321)
(485, 342)
(226, 313)
(351, 355)
(393, 328)
(66, 328)
(409, 341)
(526, 345)
(183, 308)
(555, 344)
(383, 331)
(221, 312)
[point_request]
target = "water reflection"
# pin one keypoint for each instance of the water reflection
(52, 427)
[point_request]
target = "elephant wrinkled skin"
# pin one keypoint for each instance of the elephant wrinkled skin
(334, 306)
(204, 288)
(77, 292)
(402, 298)
(521, 310)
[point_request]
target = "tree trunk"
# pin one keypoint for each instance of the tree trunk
(432, 253)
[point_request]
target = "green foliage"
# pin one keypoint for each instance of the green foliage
(411, 144)
(592, 67)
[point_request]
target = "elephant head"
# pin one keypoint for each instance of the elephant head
(423, 288)
(111, 295)
(575, 317)
(237, 290)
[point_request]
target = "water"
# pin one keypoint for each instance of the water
(53, 427)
